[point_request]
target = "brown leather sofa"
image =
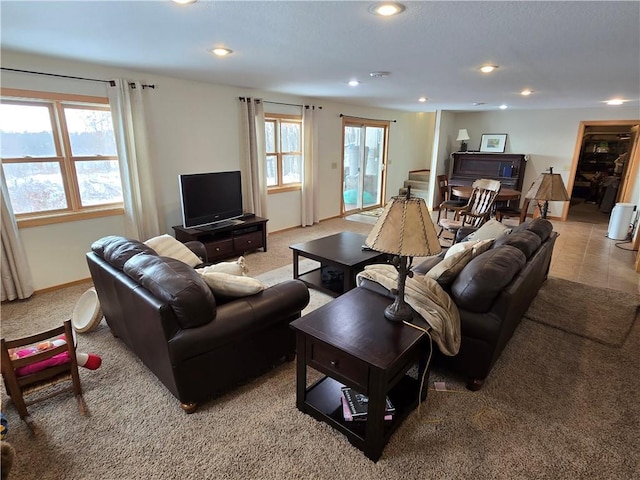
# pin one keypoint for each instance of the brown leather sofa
(196, 344)
(493, 292)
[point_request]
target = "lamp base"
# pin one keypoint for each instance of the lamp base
(463, 146)
(398, 311)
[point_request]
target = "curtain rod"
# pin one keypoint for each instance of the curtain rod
(281, 103)
(110, 82)
(292, 104)
(372, 119)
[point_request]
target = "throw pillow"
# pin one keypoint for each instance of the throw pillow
(490, 230)
(228, 285)
(167, 246)
(447, 270)
(476, 246)
(482, 246)
(459, 247)
(238, 268)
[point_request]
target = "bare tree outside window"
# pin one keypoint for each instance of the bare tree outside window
(59, 156)
(283, 144)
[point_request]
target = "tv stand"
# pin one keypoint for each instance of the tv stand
(225, 241)
(219, 225)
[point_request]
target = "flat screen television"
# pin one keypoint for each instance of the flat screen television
(210, 199)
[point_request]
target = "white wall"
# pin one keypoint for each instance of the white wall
(547, 136)
(194, 127)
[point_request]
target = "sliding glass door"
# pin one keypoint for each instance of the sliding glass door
(363, 163)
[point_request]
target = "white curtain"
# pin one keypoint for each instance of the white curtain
(141, 212)
(309, 197)
(253, 167)
(16, 276)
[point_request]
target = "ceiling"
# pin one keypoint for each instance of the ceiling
(572, 54)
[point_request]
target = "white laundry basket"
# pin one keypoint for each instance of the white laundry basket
(620, 221)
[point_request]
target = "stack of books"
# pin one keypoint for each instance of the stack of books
(355, 406)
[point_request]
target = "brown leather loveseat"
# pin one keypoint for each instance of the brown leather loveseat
(196, 344)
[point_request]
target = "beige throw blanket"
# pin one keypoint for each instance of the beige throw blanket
(427, 298)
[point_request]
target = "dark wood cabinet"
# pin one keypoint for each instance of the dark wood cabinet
(228, 241)
(508, 168)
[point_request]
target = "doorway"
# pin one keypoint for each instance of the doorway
(363, 163)
(601, 170)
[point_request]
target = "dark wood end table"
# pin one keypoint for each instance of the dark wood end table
(353, 344)
(341, 257)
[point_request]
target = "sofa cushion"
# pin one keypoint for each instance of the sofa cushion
(177, 284)
(448, 269)
(99, 245)
(484, 277)
(229, 285)
(540, 227)
(525, 240)
(118, 250)
(167, 246)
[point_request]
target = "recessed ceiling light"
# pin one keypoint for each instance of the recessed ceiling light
(526, 92)
(422, 99)
(379, 74)
(503, 107)
(354, 83)
(386, 9)
(184, 2)
(221, 52)
(615, 101)
(488, 68)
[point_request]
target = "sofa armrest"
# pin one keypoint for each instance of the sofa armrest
(199, 249)
(281, 302)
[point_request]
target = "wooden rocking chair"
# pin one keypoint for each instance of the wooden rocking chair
(477, 210)
(18, 386)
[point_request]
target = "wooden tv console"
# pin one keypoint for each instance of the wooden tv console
(230, 240)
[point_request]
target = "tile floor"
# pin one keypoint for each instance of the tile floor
(583, 253)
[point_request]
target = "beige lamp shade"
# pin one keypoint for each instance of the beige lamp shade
(462, 135)
(405, 229)
(548, 186)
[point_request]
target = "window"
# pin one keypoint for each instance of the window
(283, 139)
(59, 156)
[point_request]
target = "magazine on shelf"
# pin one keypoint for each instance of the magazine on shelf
(356, 405)
(349, 418)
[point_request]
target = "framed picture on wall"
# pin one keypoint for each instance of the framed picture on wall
(493, 142)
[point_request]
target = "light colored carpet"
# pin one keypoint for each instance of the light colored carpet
(556, 406)
(316, 298)
(600, 314)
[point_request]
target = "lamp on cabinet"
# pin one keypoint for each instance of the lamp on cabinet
(548, 187)
(463, 136)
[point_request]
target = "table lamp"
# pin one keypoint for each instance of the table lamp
(405, 230)
(547, 187)
(463, 136)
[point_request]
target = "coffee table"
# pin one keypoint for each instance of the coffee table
(353, 344)
(341, 257)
